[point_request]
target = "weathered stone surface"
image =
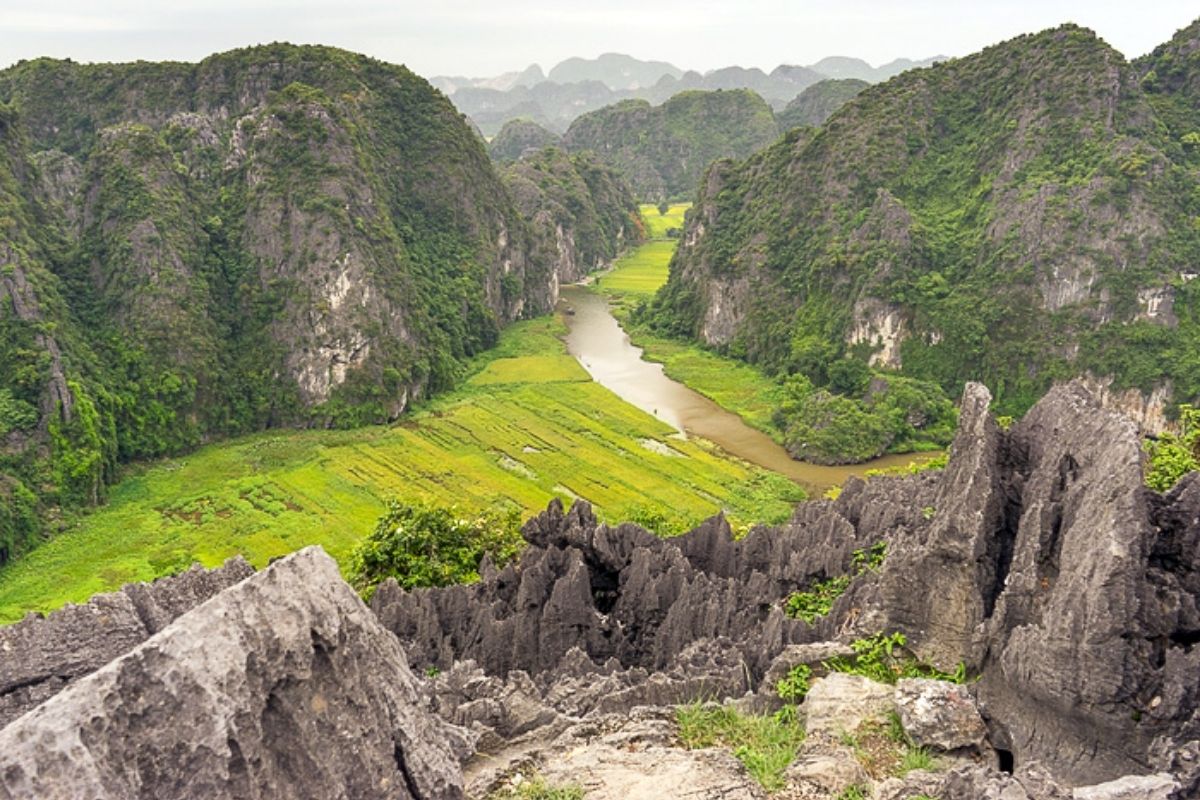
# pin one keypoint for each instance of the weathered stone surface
(1092, 624)
(918, 783)
(825, 770)
(284, 685)
(810, 655)
(40, 656)
(839, 703)
(637, 759)
(1037, 558)
(939, 715)
(1131, 787)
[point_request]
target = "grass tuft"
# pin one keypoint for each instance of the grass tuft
(765, 745)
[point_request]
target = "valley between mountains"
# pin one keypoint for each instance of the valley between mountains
(619, 434)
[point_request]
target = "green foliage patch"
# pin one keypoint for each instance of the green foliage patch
(765, 745)
(1172, 456)
(882, 658)
(818, 600)
(421, 545)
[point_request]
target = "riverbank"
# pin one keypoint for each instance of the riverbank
(734, 385)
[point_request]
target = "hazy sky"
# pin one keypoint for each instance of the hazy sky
(469, 37)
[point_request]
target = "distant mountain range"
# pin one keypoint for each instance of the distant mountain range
(578, 86)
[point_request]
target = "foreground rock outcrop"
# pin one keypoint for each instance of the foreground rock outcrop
(283, 685)
(1036, 558)
(42, 656)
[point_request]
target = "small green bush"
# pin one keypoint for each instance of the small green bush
(881, 658)
(819, 599)
(1172, 457)
(536, 788)
(422, 545)
(794, 686)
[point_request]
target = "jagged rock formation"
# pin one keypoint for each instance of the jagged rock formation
(44, 655)
(663, 150)
(283, 685)
(274, 236)
(1019, 216)
(1037, 558)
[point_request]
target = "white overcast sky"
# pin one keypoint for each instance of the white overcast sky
(469, 37)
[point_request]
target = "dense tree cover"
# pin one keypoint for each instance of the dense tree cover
(663, 150)
(519, 137)
(423, 545)
(818, 102)
(857, 417)
(275, 236)
(1026, 214)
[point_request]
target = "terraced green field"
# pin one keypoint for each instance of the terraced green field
(527, 426)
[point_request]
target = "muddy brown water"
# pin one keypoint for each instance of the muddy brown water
(597, 340)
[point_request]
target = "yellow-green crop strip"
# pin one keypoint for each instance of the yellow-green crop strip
(528, 425)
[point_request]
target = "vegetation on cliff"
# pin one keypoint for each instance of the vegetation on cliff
(519, 137)
(581, 212)
(818, 102)
(663, 150)
(276, 236)
(1018, 216)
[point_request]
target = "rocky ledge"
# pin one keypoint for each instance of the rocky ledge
(1036, 562)
(282, 685)
(1037, 559)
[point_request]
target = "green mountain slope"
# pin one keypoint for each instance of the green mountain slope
(580, 210)
(277, 236)
(1016, 216)
(518, 137)
(663, 150)
(818, 102)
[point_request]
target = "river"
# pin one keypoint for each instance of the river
(603, 348)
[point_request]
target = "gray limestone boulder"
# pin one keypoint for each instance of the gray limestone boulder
(825, 769)
(1131, 787)
(839, 703)
(40, 656)
(939, 715)
(283, 685)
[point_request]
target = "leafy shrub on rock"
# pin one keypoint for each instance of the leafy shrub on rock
(1172, 457)
(422, 545)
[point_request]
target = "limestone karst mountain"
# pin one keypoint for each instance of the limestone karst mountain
(578, 86)
(273, 236)
(663, 150)
(1018, 216)
(818, 102)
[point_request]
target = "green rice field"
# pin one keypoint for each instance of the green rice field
(527, 426)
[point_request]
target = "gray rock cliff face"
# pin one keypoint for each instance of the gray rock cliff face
(1037, 558)
(283, 685)
(40, 656)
